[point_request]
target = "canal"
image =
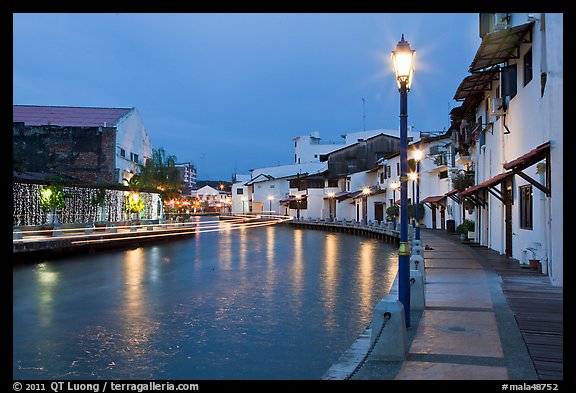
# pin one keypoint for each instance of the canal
(254, 303)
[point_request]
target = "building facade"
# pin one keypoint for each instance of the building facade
(510, 131)
(187, 173)
(84, 143)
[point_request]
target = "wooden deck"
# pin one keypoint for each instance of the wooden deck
(538, 308)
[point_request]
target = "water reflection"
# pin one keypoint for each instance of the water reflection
(329, 281)
(366, 260)
(47, 280)
(286, 305)
(298, 266)
(137, 326)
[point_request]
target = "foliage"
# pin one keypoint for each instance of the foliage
(52, 197)
(160, 172)
(133, 182)
(392, 212)
(412, 210)
(462, 180)
(465, 227)
(134, 204)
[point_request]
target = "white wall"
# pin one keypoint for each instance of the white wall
(532, 120)
(133, 138)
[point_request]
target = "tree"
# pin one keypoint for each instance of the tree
(160, 172)
(52, 199)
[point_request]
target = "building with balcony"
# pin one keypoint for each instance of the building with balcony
(509, 132)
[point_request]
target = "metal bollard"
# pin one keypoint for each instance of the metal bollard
(388, 339)
(417, 298)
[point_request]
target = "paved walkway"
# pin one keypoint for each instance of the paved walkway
(467, 330)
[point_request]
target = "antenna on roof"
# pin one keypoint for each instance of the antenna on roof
(364, 112)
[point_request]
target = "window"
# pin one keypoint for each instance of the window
(443, 175)
(239, 191)
(134, 157)
(509, 81)
(381, 177)
(122, 153)
(272, 186)
(525, 206)
(528, 67)
(332, 182)
(397, 169)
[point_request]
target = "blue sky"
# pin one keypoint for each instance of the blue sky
(228, 92)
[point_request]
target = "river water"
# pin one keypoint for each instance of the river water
(255, 303)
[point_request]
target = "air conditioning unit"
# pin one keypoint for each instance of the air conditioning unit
(501, 21)
(498, 107)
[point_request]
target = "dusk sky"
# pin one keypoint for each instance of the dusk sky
(229, 92)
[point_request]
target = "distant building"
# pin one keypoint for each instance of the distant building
(310, 148)
(85, 143)
(214, 199)
(187, 173)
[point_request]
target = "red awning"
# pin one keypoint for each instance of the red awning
(530, 158)
(433, 199)
(451, 192)
(488, 183)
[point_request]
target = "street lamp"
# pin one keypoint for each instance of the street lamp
(365, 193)
(413, 176)
(298, 199)
(403, 58)
(418, 155)
(394, 185)
(331, 196)
(270, 199)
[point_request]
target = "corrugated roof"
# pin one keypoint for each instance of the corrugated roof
(67, 116)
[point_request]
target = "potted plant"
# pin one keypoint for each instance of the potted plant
(462, 180)
(52, 200)
(535, 263)
(471, 227)
(465, 229)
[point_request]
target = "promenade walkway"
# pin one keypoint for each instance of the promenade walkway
(478, 323)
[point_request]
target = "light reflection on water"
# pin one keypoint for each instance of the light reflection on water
(262, 303)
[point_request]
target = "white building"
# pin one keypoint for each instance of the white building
(311, 148)
(269, 188)
(511, 132)
(213, 198)
(128, 149)
(187, 173)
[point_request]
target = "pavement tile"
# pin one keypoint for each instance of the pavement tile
(449, 371)
(467, 333)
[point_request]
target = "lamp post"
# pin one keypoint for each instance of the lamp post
(418, 155)
(298, 199)
(394, 187)
(413, 176)
(331, 196)
(270, 199)
(365, 193)
(402, 58)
